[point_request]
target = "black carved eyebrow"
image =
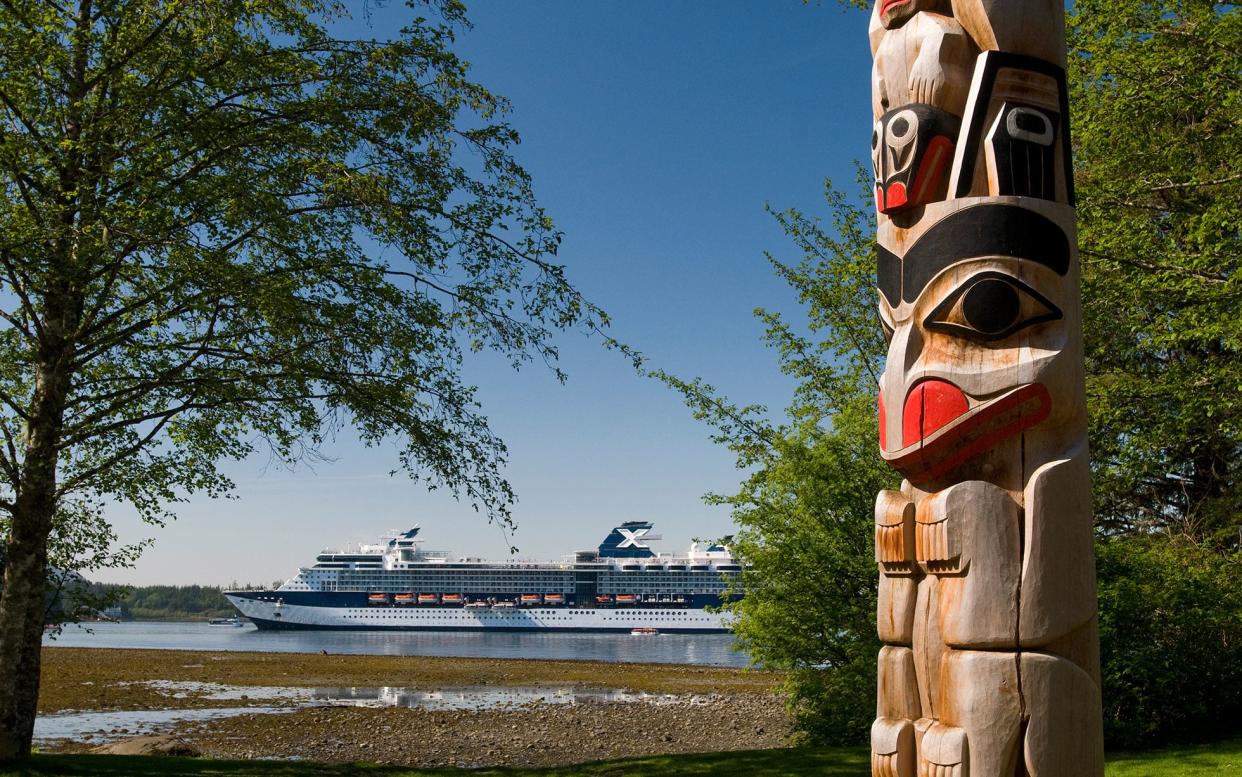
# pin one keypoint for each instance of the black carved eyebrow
(888, 274)
(982, 230)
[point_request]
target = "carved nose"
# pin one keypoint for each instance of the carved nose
(930, 405)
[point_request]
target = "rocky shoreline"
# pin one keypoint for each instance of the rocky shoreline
(694, 709)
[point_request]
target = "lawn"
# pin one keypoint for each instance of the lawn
(1217, 760)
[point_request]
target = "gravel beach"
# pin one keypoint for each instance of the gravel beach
(699, 709)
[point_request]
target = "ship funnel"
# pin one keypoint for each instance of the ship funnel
(629, 540)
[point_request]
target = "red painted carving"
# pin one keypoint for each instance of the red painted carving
(930, 405)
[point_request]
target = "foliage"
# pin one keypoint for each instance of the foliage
(806, 506)
(1170, 639)
(171, 602)
(1157, 120)
(810, 581)
(228, 229)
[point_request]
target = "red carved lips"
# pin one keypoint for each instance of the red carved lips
(887, 4)
(930, 405)
(939, 431)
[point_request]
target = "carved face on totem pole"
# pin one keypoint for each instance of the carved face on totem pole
(976, 313)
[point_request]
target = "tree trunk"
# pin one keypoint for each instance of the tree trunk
(21, 631)
(22, 607)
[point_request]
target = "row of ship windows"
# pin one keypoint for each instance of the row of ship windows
(476, 590)
(456, 613)
(527, 582)
(407, 615)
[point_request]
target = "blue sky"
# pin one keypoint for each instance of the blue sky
(655, 134)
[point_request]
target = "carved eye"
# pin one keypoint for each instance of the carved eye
(991, 306)
(903, 130)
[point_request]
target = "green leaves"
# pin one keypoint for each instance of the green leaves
(236, 230)
(1157, 117)
(1170, 616)
(806, 505)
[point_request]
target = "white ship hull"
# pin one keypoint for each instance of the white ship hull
(269, 614)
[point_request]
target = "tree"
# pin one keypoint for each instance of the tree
(225, 226)
(1170, 616)
(1157, 122)
(806, 505)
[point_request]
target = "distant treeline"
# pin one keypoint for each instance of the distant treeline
(171, 602)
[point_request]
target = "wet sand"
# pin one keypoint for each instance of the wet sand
(715, 709)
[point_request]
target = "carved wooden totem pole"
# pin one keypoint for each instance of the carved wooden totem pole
(987, 606)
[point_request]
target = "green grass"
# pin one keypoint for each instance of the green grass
(1217, 760)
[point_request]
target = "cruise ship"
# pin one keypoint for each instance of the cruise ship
(622, 586)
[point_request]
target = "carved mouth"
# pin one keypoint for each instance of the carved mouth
(888, 4)
(972, 433)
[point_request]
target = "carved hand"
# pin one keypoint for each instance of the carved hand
(927, 76)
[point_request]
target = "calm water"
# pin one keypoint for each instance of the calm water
(702, 649)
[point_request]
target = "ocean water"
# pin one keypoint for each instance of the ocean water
(697, 649)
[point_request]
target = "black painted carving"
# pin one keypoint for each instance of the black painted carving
(911, 152)
(988, 229)
(1023, 144)
(991, 306)
(973, 130)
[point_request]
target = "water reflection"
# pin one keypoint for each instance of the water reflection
(699, 649)
(479, 697)
(101, 727)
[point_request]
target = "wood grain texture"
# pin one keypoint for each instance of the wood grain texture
(987, 599)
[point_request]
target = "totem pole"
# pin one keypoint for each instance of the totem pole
(987, 606)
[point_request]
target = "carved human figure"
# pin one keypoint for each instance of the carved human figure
(919, 83)
(987, 584)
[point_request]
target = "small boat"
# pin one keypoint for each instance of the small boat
(233, 621)
(644, 631)
(403, 598)
(603, 599)
(502, 605)
(554, 598)
(529, 599)
(477, 606)
(452, 599)
(428, 598)
(377, 598)
(626, 599)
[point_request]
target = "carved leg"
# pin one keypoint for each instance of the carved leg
(1063, 737)
(897, 707)
(980, 717)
